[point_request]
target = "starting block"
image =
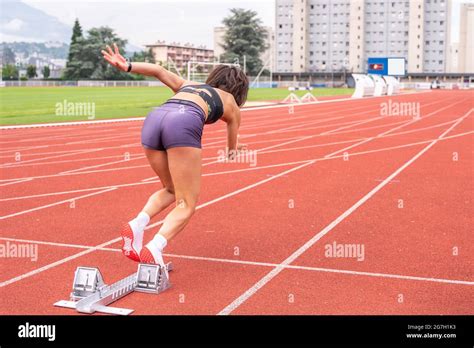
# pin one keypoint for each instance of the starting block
(90, 294)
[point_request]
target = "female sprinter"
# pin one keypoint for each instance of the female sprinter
(171, 138)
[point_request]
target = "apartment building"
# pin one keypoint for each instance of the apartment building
(466, 39)
(180, 54)
(333, 35)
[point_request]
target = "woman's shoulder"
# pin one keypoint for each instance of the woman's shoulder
(226, 97)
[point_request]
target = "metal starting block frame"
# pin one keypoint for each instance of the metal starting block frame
(90, 294)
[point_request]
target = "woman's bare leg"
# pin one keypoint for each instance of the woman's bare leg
(132, 233)
(185, 168)
(162, 198)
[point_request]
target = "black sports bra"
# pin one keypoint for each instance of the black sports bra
(215, 108)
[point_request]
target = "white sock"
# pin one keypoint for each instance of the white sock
(138, 227)
(156, 246)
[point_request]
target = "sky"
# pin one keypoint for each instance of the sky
(146, 21)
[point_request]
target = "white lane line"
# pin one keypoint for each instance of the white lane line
(243, 189)
(56, 203)
(393, 129)
(257, 263)
(18, 180)
(14, 181)
(31, 273)
(271, 147)
(355, 130)
(275, 271)
(78, 170)
(72, 160)
(350, 126)
(249, 143)
(148, 182)
(278, 130)
(72, 153)
(256, 151)
(333, 111)
(72, 257)
(154, 180)
(23, 148)
(212, 162)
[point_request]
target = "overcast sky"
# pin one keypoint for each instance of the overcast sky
(145, 21)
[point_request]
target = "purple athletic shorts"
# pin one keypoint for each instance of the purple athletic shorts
(176, 123)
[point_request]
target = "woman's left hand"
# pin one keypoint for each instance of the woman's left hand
(115, 58)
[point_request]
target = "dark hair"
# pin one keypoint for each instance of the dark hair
(230, 79)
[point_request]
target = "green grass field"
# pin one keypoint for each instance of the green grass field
(27, 105)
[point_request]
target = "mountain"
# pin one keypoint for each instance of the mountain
(52, 50)
(21, 22)
(130, 48)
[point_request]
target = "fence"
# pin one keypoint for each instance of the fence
(82, 83)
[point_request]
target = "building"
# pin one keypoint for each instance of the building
(466, 39)
(335, 35)
(179, 54)
(266, 56)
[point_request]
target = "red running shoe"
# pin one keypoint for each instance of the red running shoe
(127, 245)
(146, 256)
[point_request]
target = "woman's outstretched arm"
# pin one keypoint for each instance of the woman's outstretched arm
(170, 79)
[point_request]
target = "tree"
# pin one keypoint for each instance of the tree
(244, 36)
(9, 72)
(73, 66)
(31, 71)
(8, 56)
(85, 60)
(143, 56)
(94, 65)
(46, 72)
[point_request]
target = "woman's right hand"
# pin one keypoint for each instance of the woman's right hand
(115, 58)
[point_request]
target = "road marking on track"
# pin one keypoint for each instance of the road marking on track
(154, 179)
(72, 153)
(56, 203)
(350, 124)
(275, 271)
(72, 257)
(134, 158)
(209, 147)
(31, 273)
(257, 263)
(15, 181)
(392, 129)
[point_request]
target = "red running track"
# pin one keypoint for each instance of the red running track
(334, 173)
